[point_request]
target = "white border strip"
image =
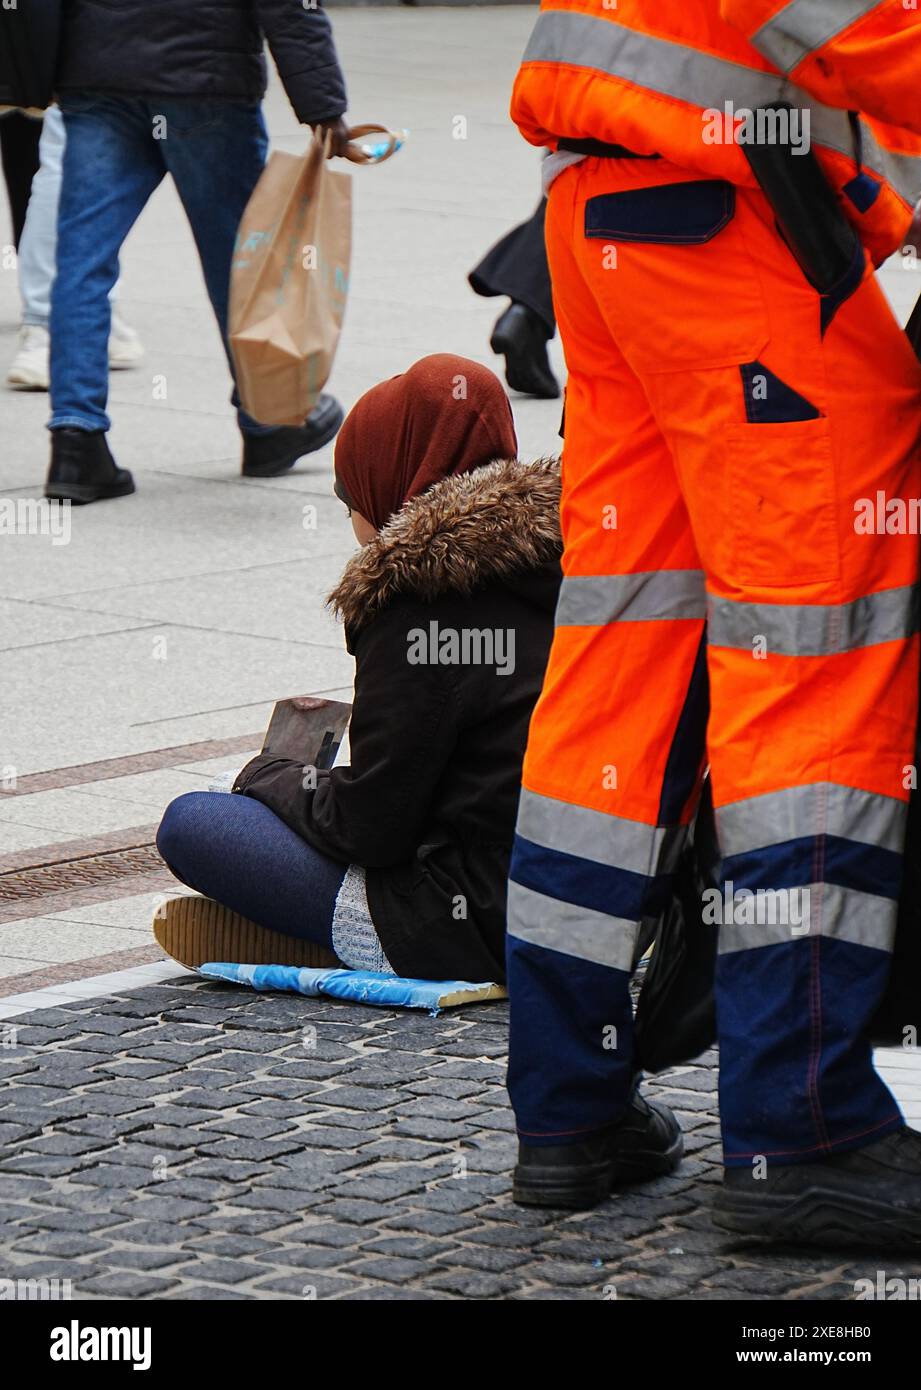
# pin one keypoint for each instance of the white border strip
(92, 987)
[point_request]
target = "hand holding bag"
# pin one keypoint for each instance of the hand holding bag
(288, 284)
(290, 277)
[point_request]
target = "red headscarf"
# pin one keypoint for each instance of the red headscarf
(445, 415)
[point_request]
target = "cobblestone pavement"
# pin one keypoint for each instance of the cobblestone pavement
(191, 1141)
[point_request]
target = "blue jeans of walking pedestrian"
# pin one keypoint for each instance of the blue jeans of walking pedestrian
(118, 150)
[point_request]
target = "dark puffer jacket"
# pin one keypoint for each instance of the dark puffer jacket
(428, 803)
(205, 49)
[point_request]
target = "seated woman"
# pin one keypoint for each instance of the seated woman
(398, 862)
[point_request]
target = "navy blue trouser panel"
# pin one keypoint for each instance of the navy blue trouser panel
(797, 1081)
(562, 1081)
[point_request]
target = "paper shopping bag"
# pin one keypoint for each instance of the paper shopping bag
(288, 285)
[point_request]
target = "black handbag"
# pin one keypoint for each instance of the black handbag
(676, 1012)
(29, 38)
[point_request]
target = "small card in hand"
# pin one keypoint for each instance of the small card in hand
(308, 729)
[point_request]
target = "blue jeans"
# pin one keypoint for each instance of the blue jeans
(113, 161)
(235, 850)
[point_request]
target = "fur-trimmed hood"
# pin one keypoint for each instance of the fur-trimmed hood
(471, 529)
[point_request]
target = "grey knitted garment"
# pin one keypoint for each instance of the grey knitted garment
(355, 939)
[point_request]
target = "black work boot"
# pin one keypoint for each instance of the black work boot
(82, 468)
(869, 1197)
(645, 1144)
(267, 455)
(520, 336)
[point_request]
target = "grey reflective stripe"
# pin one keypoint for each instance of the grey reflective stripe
(804, 25)
(663, 65)
(821, 808)
(842, 913)
(902, 170)
(814, 629)
(659, 595)
(575, 931)
(604, 839)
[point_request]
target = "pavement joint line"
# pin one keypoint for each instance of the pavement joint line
(199, 714)
(136, 622)
(252, 704)
(98, 789)
(132, 623)
(178, 578)
(223, 632)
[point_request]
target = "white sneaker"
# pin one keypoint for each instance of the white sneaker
(29, 368)
(125, 347)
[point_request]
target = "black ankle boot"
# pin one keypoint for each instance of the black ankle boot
(267, 455)
(82, 468)
(646, 1144)
(864, 1197)
(520, 336)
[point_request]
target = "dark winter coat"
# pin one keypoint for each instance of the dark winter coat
(428, 805)
(28, 52)
(206, 49)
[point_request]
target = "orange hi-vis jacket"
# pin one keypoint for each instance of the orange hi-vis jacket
(684, 81)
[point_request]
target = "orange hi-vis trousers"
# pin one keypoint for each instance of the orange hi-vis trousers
(740, 590)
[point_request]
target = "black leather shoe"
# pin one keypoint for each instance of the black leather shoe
(867, 1197)
(521, 338)
(82, 468)
(646, 1144)
(267, 455)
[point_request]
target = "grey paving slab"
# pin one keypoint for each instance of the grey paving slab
(133, 914)
(902, 1058)
(44, 939)
(130, 691)
(189, 528)
(901, 280)
(72, 813)
(15, 838)
(210, 767)
(284, 600)
(18, 965)
(26, 624)
(153, 789)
